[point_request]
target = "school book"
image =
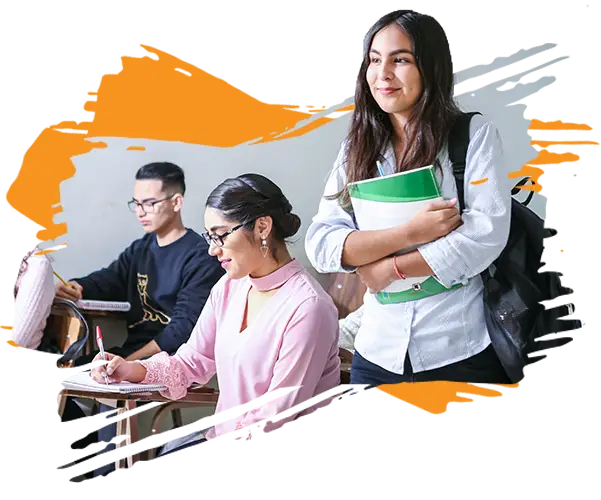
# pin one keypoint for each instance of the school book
(392, 200)
(84, 382)
(103, 305)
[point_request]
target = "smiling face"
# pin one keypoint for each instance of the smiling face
(392, 75)
(240, 254)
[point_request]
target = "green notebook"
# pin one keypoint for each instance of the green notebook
(385, 202)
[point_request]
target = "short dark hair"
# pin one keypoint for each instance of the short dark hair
(170, 174)
(250, 196)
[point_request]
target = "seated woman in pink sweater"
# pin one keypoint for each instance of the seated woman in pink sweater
(267, 324)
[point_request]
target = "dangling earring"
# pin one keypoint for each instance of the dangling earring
(264, 247)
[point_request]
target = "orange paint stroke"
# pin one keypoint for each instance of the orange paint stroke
(10, 342)
(558, 125)
(44, 252)
(34, 192)
(14, 344)
(479, 181)
(149, 100)
(136, 148)
(434, 397)
(535, 168)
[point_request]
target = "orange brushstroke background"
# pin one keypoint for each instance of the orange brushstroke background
(10, 342)
(153, 99)
(545, 157)
(435, 396)
(148, 99)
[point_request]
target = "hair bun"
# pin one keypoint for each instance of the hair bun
(286, 206)
(289, 225)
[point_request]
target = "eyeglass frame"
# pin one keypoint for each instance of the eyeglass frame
(218, 238)
(140, 204)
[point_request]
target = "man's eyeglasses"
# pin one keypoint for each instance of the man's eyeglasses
(218, 238)
(146, 206)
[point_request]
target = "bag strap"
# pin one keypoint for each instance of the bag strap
(516, 189)
(47, 347)
(74, 349)
(459, 140)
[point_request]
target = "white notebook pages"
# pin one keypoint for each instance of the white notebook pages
(84, 382)
(103, 305)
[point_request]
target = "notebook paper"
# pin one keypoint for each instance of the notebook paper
(103, 305)
(84, 382)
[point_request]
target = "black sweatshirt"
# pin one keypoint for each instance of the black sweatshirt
(167, 288)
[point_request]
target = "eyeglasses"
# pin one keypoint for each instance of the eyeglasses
(146, 206)
(218, 238)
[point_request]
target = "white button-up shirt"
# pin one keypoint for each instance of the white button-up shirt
(450, 326)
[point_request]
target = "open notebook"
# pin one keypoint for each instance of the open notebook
(84, 382)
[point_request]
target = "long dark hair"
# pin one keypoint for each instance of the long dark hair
(250, 196)
(432, 115)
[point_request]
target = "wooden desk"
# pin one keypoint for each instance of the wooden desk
(125, 402)
(196, 396)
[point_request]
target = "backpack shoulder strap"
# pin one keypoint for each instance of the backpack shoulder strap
(459, 140)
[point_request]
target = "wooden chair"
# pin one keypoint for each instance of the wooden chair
(347, 291)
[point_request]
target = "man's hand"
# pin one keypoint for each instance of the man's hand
(72, 292)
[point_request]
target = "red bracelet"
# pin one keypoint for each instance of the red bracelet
(396, 269)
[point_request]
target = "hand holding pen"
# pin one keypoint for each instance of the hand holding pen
(101, 347)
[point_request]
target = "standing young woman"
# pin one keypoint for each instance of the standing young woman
(404, 111)
(267, 323)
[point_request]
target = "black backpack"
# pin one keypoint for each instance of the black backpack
(513, 285)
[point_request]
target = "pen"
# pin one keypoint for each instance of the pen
(380, 169)
(101, 347)
(59, 277)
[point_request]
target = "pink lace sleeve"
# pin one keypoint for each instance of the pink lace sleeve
(166, 370)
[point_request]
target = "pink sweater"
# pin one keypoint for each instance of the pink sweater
(292, 342)
(35, 294)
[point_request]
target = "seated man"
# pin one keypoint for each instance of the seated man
(166, 275)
